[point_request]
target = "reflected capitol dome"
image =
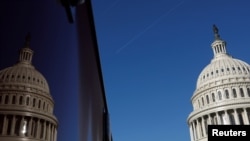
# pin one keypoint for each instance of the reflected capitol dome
(26, 106)
(222, 94)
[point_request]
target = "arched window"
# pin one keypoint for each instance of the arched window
(43, 105)
(207, 99)
(27, 100)
(48, 107)
(219, 95)
(248, 92)
(213, 97)
(234, 93)
(202, 101)
(14, 99)
(241, 92)
(39, 104)
(21, 100)
(34, 102)
(226, 94)
(6, 99)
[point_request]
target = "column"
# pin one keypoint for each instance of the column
(5, 125)
(44, 130)
(29, 127)
(218, 118)
(241, 116)
(1, 127)
(204, 127)
(237, 122)
(246, 120)
(38, 129)
(194, 130)
(52, 133)
(228, 122)
(209, 119)
(248, 114)
(21, 126)
(191, 132)
(198, 129)
(54, 129)
(48, 132)
(55, 135)
(13, 124)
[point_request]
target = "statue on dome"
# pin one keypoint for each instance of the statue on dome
(216, 30)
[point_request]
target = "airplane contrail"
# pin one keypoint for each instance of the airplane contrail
(149, 26)
(111, 6)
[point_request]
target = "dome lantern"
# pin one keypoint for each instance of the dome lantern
(26, 53)
(219, 46)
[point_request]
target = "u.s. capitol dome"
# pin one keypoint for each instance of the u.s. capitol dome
(26, 106)
(222, 94)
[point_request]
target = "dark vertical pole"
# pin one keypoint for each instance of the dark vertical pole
(92, 94)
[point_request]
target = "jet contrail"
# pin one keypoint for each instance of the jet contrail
(111, 6)
(148, 27)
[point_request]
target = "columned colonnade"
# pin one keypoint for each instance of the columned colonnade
(199, 127)
(27, 126)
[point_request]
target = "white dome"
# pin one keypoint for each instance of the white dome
(23, 75)
(223, 67)
(25, 102)
(222, 94)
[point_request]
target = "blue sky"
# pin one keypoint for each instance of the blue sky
(151, 55)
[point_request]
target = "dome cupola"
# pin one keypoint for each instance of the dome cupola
(219, 46)
(26, 53)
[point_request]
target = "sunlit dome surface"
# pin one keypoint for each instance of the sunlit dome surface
(25, 75)
(223, 67)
